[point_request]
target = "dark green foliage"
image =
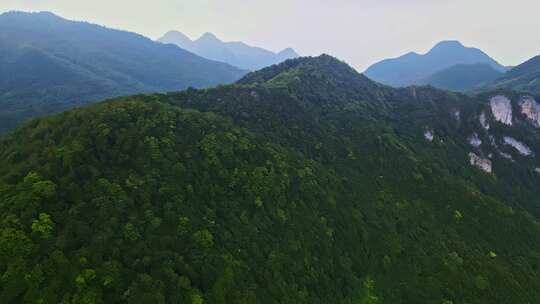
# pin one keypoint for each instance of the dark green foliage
(522, 78)
(50, 64)
(304, 183)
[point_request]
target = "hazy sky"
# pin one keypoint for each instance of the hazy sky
(360, 32)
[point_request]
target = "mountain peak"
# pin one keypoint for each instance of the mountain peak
(445, 44)
(177, 35)
(321, 72)
(411, 68)
(178, 38)
(208, 37)
(235, 53)
(288, 53)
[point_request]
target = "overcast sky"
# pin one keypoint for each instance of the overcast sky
(360, 32)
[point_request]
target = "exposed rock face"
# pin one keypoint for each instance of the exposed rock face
(537, 170)
(482, 163)
(507, 156)
(457, 115)
(493, 142)
(428, 134)
(521, 147)
(501, 107)
(483, 121)
(531, 109)
(475, 141)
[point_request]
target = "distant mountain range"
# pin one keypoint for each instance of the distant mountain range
(49, 64)
(462, 77)
(235, 53)
(413, 68)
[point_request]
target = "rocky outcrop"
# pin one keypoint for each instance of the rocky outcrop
(493, 142)
(501, 107)
(482, 163)
(537, 170)
(519, 146)
(507, 156)
(457, 115)
(531, 109)
(475, 141)
(429, 135)
(483, 121)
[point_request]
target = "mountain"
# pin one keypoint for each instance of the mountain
(50, 64)
(304, 182)
(412, 67)
(522, 78)
(461, 77)
(235, 53)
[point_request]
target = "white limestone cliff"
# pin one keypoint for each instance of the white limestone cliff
(475, 141)
(522, 148)
(429, 135)
(507, 156)
(483, 121)
(531, 109)
(501, 107)
(457, 115)
(481, 163)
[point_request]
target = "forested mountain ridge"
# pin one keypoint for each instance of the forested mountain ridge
(303, 183)
(522, 78)
(322, 97)
(50, 64)
(235, 53)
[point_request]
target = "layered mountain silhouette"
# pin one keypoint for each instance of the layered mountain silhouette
(462, 77)
(50, 63)
(522, 78)
(235, 53)
(413, 68)
(304, 182)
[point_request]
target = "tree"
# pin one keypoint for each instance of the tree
(203, 238)
(130, 232)
(43, 226)
(14, 243)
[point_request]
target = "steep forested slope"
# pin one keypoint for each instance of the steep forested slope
(324, 99)
(522, 78)
(50, 64)
(303, 183)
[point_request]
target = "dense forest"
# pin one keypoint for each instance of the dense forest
(304, 182)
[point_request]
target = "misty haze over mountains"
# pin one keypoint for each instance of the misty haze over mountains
(237, 54)
(451, 66)
(51, 64)
(461, 77)
(413, 68)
